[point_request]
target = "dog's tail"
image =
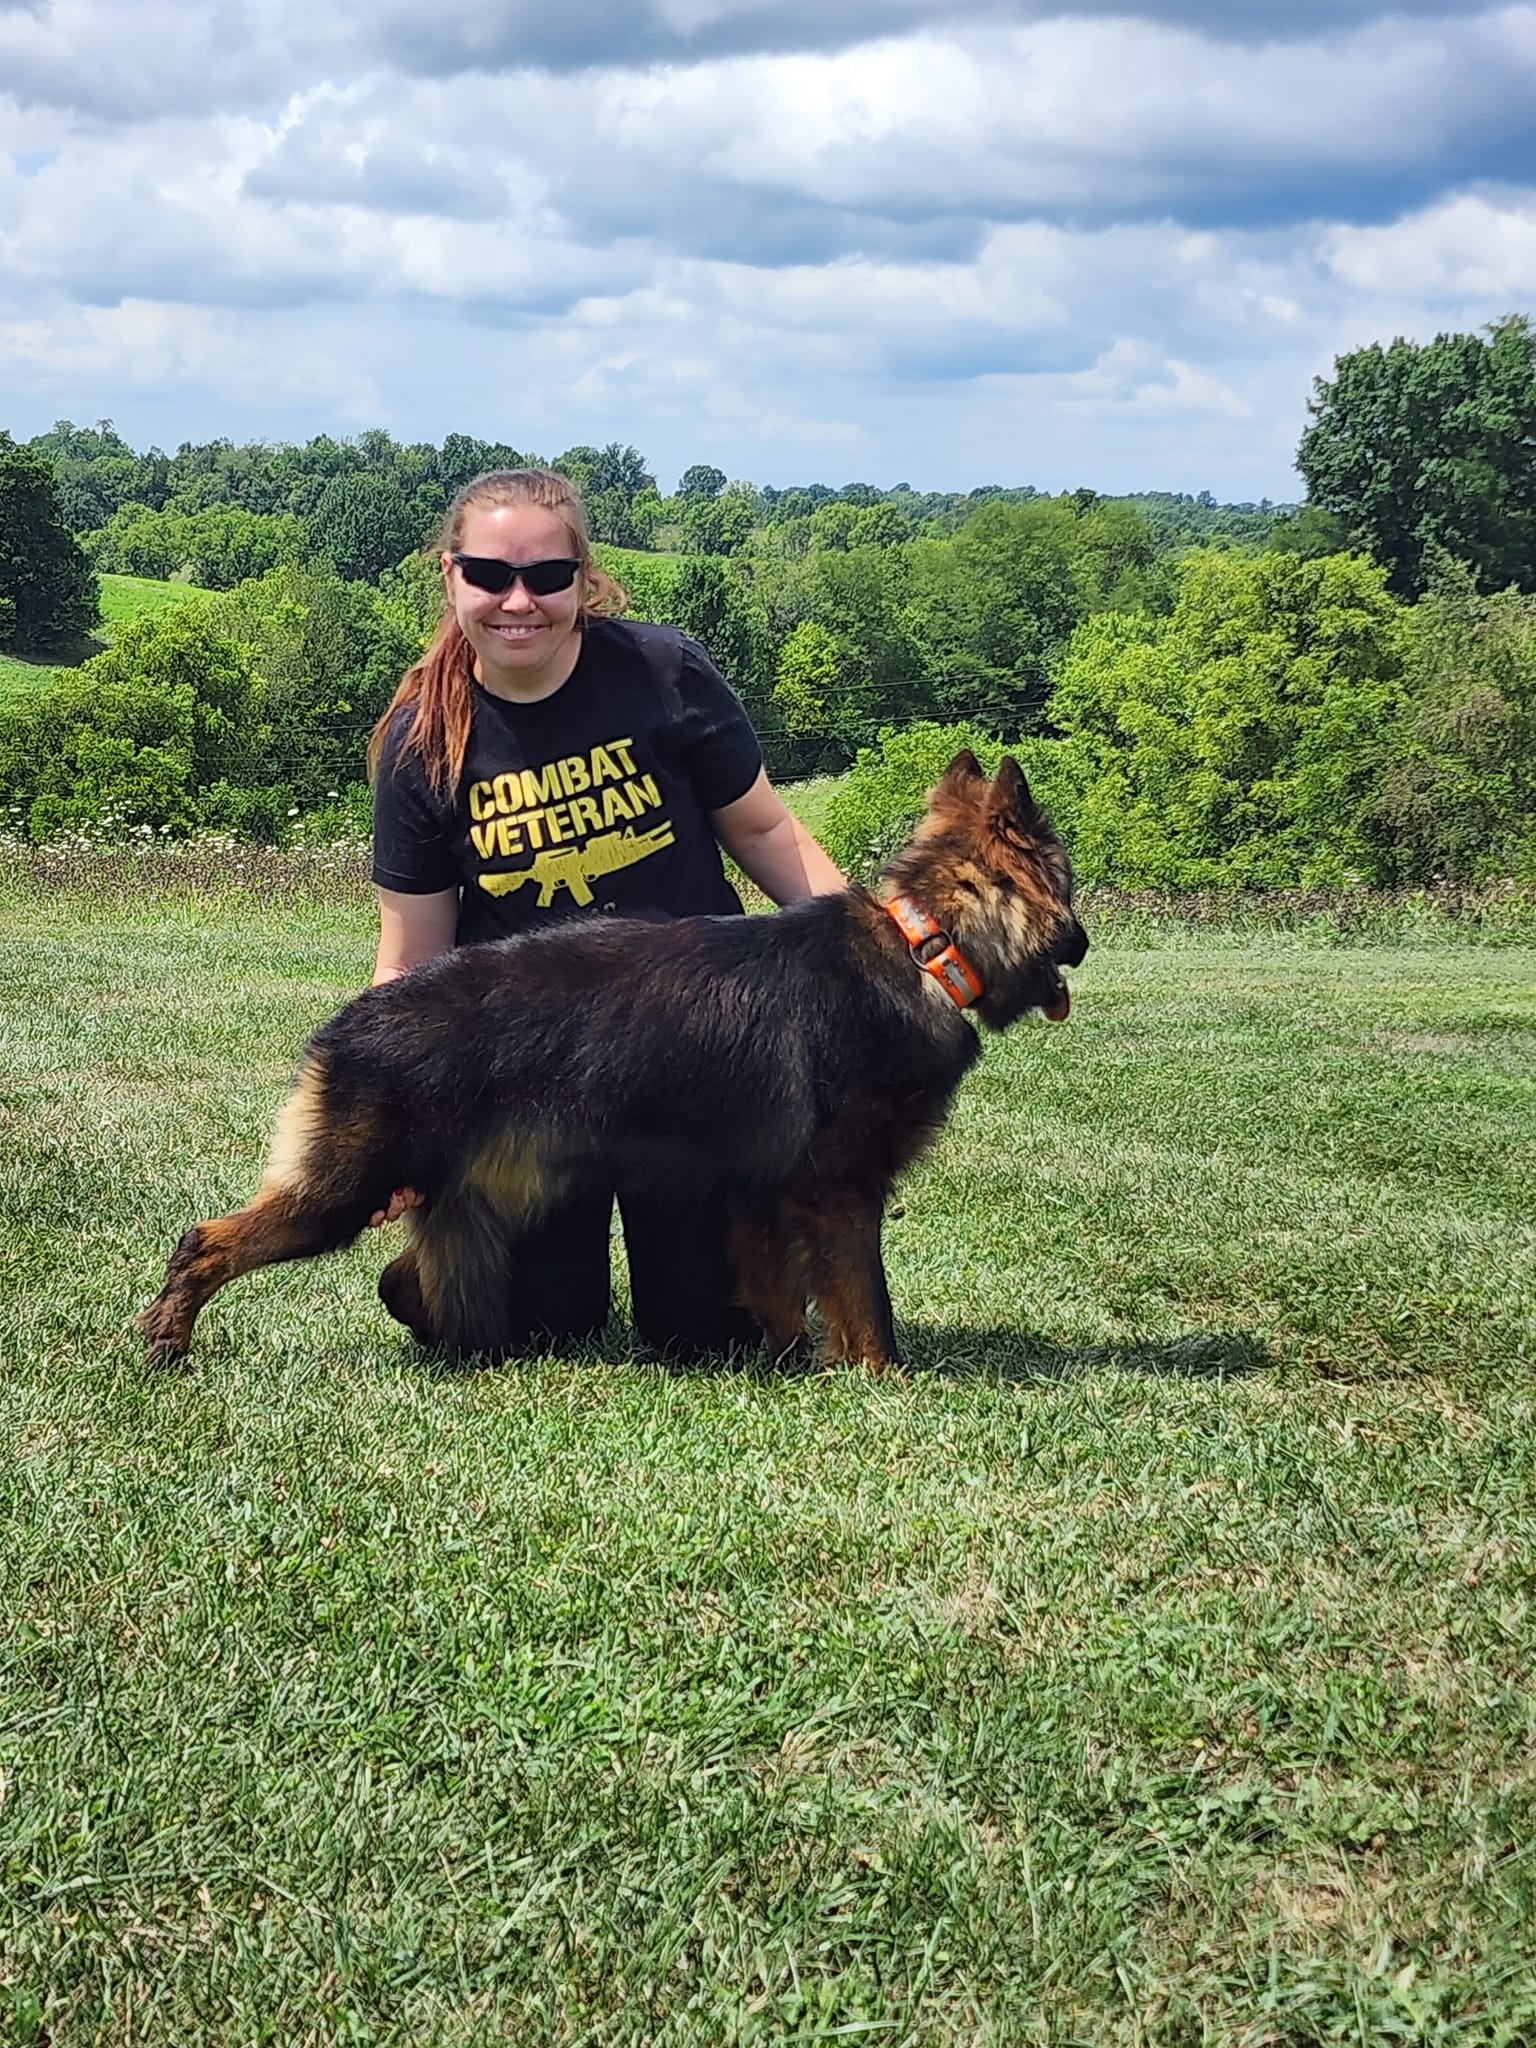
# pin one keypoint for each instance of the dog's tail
(453, 1284)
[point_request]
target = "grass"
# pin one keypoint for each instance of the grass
(123, 598)
(1151, 1664)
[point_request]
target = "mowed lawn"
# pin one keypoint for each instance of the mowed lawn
(1151, 1664)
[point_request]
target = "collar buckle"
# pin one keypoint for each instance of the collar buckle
(949, 966)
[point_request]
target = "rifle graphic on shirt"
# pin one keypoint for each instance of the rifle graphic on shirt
(577, 867)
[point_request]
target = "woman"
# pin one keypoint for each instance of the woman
(546, 759)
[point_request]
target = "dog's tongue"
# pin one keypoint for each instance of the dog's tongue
(1059, 1005)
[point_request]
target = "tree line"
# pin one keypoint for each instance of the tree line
(1229, 695)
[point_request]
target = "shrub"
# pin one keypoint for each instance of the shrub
(874, 807)
(136, 734)
(1239, 741)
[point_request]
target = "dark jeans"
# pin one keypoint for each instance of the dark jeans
(682, 1286)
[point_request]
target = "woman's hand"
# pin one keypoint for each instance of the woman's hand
(401, 1200)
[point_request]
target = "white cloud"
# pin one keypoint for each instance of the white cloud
(137, 352)
(1473, 247)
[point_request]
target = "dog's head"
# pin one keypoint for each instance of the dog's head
(985, 861)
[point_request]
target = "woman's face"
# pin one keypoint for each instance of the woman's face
(524, 646)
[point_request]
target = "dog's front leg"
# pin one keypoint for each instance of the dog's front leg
(842, 1230)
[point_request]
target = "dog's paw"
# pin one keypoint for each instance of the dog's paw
(166, 1341)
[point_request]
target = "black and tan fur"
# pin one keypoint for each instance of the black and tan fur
(792, 1064)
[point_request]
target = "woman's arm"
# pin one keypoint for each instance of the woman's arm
(771, 845)
(413, 929)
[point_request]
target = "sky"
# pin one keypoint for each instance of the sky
(939, 242)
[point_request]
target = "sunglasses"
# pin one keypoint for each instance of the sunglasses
(539, 579)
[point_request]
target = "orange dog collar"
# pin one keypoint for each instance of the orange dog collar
(949, 967)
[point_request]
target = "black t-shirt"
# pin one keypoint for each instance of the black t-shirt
(594, 799)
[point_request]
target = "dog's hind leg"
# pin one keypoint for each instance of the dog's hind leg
(841, 1227)
(401, 1293)
(771, 1283)
(325, 1176)
(281, 1223)
(454, 1285)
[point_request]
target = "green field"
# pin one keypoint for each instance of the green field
(122, 598)
(125, 597)
(1150, 1664)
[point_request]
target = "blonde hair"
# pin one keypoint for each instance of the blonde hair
(438, 685)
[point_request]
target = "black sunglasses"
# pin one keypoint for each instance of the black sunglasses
(539, 579)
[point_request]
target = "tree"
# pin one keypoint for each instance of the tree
(1309, 530)
(410, 596)
(807, 680)
(611, 518)
(987, 612)
(620, 469)
(701, 480)
(215, 549)
(326, 656)
(365, 523)
(463, 458)
(852, 596)
(718, 526)
(1240, 740)
(96, 471)
(709, 604)
(832, 525)
(878, 526)
(1457, 793)
(799, 503)
(648, 581)
(1430, 449)
(48, 593)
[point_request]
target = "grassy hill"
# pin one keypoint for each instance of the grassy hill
(123, 598)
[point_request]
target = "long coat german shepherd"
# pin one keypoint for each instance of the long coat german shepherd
(793, 1065)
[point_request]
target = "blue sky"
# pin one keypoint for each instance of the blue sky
(930, 241)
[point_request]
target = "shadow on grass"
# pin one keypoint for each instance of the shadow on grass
(61, 654)
(943, 1352)
(1005, 1354)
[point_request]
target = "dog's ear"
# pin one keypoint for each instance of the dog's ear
(1011, 806)
(1011, 802)
(962, 774)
